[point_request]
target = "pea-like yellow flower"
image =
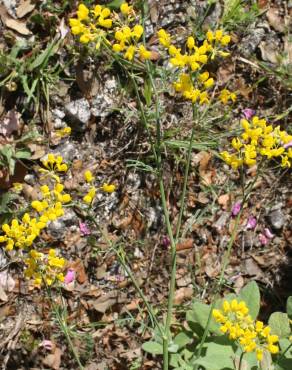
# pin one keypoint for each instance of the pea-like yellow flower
(88, 177)
(108, 188)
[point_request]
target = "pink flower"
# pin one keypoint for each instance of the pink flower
(70, 276)
(47, 344)
(288, 145)
(251, 223)
(268, 233)
(248, 113)
(84, 229)
(236, 209)
(165, 241)
(263, 240)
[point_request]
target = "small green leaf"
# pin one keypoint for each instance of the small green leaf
(199, 315)
(153, 347)
(250, 294)
(183, 338)
(289, 307)
(279, 323)
(23, 153)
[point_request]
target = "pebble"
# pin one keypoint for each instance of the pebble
(277, 219)
(79, 110)
(67, 150)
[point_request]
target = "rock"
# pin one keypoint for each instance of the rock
(30, 179)
(78, 110)
(67, 150)
(58, 227)
(277, 219)
(249, 44)
(101, 105)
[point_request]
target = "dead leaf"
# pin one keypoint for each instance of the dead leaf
(183, 294)
(103, 303)
(78, 267)
(53, 360)
(185, 244)
(225, 72)
(24, 7)
(17, 26)
(252, 268)
(10, 123)
(30, 192)
(38, 151)
(3, 295)
(224, 201)
(275, 20)
(6, 281)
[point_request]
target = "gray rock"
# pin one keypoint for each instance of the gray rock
(78, 110)
(30, 179)
(58, 227)
(277, 219)
(249, 44)
(67, 150)
(101, 105)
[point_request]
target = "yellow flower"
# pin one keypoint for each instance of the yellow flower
(144, 53)
(108, 188)
(190, 42)
(130, 52)
(82, 12)
(17, 187)
(88, 176)
(164, 38)
(137, 31)
(125, 8)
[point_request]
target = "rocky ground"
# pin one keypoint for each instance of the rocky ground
(105, 313)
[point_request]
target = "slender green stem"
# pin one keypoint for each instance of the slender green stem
(129, 272)
(240, 360)
(63, 326)
(186, 176)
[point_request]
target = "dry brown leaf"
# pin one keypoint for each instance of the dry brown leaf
(78, 267)
(53, 360)
(185, 244)
(224, 201)
(17, 26)
(30, 192)
(225, 72)
(38, 151)
(24, 7)
(269, 52)
(3, 295)
(275, 20)
(10, 123)
(183, 294)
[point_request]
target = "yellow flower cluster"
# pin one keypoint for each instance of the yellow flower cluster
(252, 335)
(47, 267)
(127, 41)
(89, 197)
(192, 83)
(22, 233)
(94, 26)
(91, 25)
(63, 132)
(258, 140)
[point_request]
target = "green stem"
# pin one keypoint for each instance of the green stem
(186, 175)
(130, 274)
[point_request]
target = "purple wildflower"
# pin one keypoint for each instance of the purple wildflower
(288, 145)
(268, 233)
(263, 240)
(236, 209)
(251, 223)
(165, 241)
(84, 229)
(248, 113)
(70, 276)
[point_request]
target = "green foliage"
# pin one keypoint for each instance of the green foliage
(9, 155)
(35, 74)
(250, 294)
(238, 14)
(280, 325)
